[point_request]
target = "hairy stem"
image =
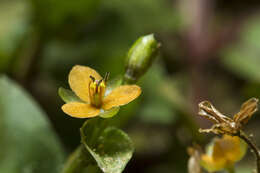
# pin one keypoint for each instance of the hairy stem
(253, 146)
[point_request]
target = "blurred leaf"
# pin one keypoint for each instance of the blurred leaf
(148, 15)
(156, 108)
(13, 24)
(109, 146)
(160, 137)
(113, 31)
(63, 15)
(126, 113)
(242, 58)
(68, 95)
(27, 143)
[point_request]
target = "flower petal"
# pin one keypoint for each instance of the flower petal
(227, 147)
(121, 96)
(80, 110)
(79, 80)
(211, 165)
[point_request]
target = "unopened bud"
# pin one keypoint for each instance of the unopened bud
(140, 57)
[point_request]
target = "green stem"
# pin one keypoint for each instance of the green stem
(78, 161)
(253, 147)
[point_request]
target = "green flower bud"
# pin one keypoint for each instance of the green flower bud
(140, 57)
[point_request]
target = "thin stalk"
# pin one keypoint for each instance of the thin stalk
(253, 146)
(78, 161)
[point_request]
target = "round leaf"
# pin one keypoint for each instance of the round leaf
(109, 146)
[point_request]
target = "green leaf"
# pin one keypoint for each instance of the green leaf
(68, 96)
(156, 107)
(113, 150)
(109, 113)
(28, 143)
(109, 146)
(58, 17)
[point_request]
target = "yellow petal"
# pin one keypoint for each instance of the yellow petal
(79, 80)
(121, 96)
(211, 165)
(80, 110)
(232, 147)
(218, 151)
(228, 147)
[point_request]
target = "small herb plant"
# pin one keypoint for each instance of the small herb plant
(104, 148)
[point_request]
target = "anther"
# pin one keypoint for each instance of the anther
(93, 79)
(99, 82)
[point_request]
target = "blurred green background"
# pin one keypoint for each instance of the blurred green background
(210, 49)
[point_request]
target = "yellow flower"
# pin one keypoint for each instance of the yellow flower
(223, 153)
(90, 87)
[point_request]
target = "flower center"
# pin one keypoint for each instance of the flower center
(97, 90)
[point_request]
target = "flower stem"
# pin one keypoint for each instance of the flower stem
(78, 161)
(253, 146)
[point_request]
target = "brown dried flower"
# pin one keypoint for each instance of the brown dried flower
(223, 124)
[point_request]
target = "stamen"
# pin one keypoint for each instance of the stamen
(93, 79)
(99, 82)
(97, 91)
